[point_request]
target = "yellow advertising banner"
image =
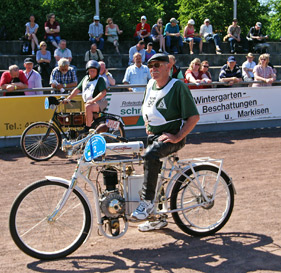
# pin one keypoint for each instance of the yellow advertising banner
(17, 113)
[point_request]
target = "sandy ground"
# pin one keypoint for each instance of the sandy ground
(249, 242)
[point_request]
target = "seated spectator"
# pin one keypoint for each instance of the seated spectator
(173, 36)
(195, 75)
(30, 33)
(112, 31)
(109, 80)
(190, 36)
(52, 30)
(139, 47)
(263, 72)
(63, 77)
(93, 93)
(205, 69)
(13, 80)
(93, 54)
(157, 35)
(256, 39)
(230, 73)
(63, 52)
(206, 31)
(175, 70)
(137, 74)
(234, 38)
(33, 77)
(248, 68)
(43, 58)
(142, 31)
(149, 52)
(96, 32)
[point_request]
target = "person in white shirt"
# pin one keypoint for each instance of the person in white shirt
(248, 67)
(109, 80)
(63, 52)
(139, 47)
(206, 31)
(96, 32)
(33, 77)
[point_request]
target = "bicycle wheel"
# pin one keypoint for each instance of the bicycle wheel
(40, 238)
(40, 141)
(101, 123)
(201, 218)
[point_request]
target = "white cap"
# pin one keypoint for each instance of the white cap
(143, 17)
(206, 20)
(191, 22)
(96, 17)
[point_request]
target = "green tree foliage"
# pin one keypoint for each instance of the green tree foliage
(275, 19)
(220, 13)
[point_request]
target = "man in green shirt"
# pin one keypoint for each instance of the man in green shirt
(170, 114)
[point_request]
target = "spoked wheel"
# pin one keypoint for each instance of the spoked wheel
(38, 236)
(109, 125)
(40, 141)
(202, 218)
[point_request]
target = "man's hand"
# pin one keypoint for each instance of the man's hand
(167, 137)
(10, 87)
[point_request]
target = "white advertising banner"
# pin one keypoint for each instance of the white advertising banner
(214, 105)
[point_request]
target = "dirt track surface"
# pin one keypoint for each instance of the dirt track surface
(250, 241)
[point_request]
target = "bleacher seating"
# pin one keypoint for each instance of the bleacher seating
(117, 64)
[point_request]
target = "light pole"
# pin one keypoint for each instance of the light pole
(97, 7)
(234, 8)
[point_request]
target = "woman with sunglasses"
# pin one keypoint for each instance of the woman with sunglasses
(194, 74)
(263, 72)
(52, 30)
(205, 69)
(157, 35)
(43, 58)
(112, 31)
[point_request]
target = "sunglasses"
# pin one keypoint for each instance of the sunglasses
(206, 66)
(263, 59)
(156, 65)
(43, 45)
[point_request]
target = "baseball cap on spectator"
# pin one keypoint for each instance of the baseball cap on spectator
(231, 59)
(250, 55)
(28, 61)
(150, 44)
(143, 17)
(96, 18)
(258, 24)
(161, 57)
(235, 20)
(174, 20)
(207, 20)
(191, 22)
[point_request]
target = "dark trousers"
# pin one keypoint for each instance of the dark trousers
(152, 165)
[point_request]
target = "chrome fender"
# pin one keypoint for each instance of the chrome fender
(67, 182)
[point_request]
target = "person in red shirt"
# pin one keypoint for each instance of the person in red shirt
(13, 80)
(143, 31)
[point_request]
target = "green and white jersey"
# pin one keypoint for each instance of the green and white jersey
(91, 88)
(166, 108)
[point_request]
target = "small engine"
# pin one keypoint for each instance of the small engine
(112, 204)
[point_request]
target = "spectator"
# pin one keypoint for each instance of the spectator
(111, 31)
(43, 58)
(94, 54)
(157, 35)
(205, 69)
(175, 70)
(190, 36)
(142, 31)
(63, 76)
(52, 30)
(206, 31)
(149, 52)
(263, 72)
(195, 75)
(257, 39)
(93, 93)
(234, 38)
(33, 77)
(30, 33)
(96, 32)
(139, 47)
(13, 80)
(63, 52)
(230, 73)
(173, 36)
(248, 68)
(137, 74)
(109, 80)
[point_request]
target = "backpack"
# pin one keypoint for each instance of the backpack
(25, 48)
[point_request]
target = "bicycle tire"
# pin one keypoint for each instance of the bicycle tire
(40, 141)
(102, 120)
(208, 218)
(35, 235)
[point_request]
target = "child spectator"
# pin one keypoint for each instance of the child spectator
(149, 52)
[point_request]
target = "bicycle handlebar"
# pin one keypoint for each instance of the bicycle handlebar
(119, 138)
